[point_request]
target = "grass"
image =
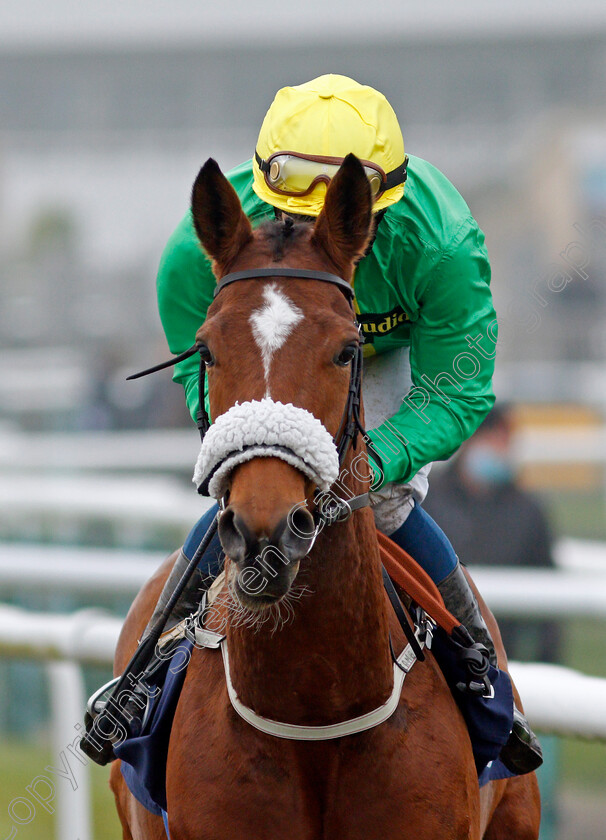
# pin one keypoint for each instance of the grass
(584, 762)
(580, 514)
(20, 763)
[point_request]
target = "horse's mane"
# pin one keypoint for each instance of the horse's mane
(281, 235)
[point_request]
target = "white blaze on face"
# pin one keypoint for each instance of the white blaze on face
(272, 323)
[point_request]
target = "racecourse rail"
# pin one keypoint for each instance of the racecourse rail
(159, 450)
(557, 700)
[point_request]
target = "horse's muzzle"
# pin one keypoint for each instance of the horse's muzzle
(266, 565)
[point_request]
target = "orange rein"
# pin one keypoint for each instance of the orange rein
(407, 573)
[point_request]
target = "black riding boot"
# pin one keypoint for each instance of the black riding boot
(461, 602)
(522, 752)
(189, 599)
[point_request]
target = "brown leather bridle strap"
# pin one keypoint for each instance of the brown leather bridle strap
(407, 573)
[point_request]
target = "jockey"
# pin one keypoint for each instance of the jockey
(423, 301)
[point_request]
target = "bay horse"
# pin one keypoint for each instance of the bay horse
(413, 777)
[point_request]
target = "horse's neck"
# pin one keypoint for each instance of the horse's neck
(331, 660)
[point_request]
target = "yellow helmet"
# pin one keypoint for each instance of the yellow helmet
(310, 128)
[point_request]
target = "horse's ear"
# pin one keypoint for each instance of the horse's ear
(343, 227)
(221, 224)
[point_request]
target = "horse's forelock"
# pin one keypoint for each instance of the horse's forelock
(282, 235)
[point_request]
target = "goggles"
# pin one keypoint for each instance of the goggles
(294, 174)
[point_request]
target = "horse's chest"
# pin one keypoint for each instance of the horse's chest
(252, 785)
(412, 778)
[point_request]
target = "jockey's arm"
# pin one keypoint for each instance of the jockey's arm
(185, 286)
(453, 345)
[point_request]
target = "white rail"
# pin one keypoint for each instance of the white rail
(579, 589)
(562, 701)
(150, 500)
(176, 449)
(87, 636)
(557, 700)
(145, 450)
(86, 571)
(73, 803)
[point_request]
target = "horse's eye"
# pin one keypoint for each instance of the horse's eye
(346, 355)
(206, 355)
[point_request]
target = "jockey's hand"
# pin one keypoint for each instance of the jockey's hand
(378, 478)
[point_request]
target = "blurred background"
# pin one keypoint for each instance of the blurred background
(106, 114)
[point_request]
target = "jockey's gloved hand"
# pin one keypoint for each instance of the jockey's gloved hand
(378, 478)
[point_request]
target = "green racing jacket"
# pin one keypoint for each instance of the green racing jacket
(425, 284)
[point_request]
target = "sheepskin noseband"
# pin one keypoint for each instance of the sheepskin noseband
(265, 428)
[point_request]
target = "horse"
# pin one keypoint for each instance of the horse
(313, 648)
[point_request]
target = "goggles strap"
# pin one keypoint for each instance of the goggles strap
(397, 176)
(262, 164)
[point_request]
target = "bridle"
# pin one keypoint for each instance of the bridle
(333, 508)
(349, 429)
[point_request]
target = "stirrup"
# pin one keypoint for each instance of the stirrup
(96, 745)
(109, 720)
(522, 753)
(101, 710)
(100, 749)
(95, 704)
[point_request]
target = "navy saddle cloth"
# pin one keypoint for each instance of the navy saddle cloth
(489, 722)
(144, 755)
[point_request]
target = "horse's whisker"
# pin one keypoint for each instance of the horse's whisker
(279, 614)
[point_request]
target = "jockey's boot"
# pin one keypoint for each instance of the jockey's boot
(522, 752)
(190, 598)
(461, 602)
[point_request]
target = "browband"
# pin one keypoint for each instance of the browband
(302, 273)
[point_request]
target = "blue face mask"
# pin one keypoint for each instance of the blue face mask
(486, 466)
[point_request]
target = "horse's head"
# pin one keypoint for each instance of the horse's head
(278, 351)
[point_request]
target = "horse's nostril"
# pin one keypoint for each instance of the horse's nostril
(298, 533)
(290, 540)
(301, 523)
(236, 539)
